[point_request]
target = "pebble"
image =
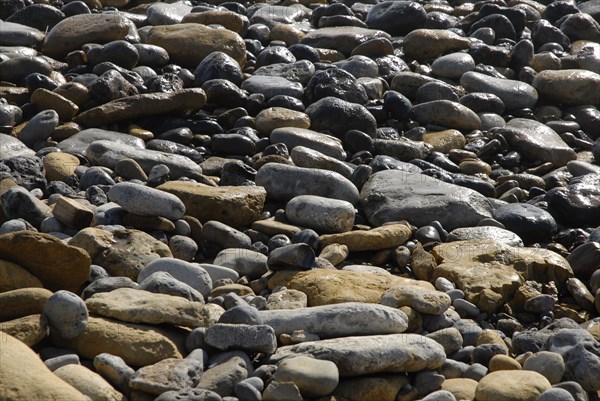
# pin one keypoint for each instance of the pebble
(145, 201)
(66, 313)
(514, 94)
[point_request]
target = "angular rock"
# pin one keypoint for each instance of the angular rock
(167, 375)
(139, 306)
(249, 338)
(419, 299)
(235, 206)
(56, 264)
(355, 356)
(11, 147)
(341, 320)
(144, 105)
(17, 202)
(395, 195)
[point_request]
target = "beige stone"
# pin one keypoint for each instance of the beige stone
(335, 253)
(426, 44)
(57, 265)
(168, 374)
(144, 105)
(463, 389)
(430, 302)
(278, 117)
(490, 272)
(19, 365)
(324, 286)
(138, 306)
(72, 213)
(238, 289)
(26, 329)
(22, 302)
(121, 252)
(488, 336)
(137, 344)
(75, 92)
(504, 362)
(13, 277)
(59, 165)
(376, 387)
(89, 383)
(272, 227)
(234, 206)
(444, 141)
(230, 20)
(188, 44)
(73, 32)
(511, 385)
(287, 33)
(45, 99)
(569, 86)
(388, 236)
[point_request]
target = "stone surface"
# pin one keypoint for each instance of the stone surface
(324, 287)
(230, 205)
(57, 265)
(321, 214)
(190, 273)
(23, 302)
(395, 195)
(167, 375)
(145, 201)
(14, 277)
(250, 338)
(511, 385)
(19, 364)
(514, 94)
(344, 319)
(553, 85)
(139, 306)
(343, 39)
(355, 356)
(387, 236)
(418, 298)
(89, 383)
(28, 329)
(313, 377)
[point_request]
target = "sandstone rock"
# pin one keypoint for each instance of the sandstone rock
(59, 165)
(384, 387)
(575, 87)
(425, 44)
(27, 329)
(57, 265)
(511, 385)
(23, 302)
(234, 206)
(138, 345)
(139, 306)
(144, 105)
(324, 286)
(313, 377)
(418, 298)
(388, 236)
(189, 43)
(277, 117)
(13, 277)
(122, 252)
(447, 114)
(19, 365)
(89, 383)
(168, 374)
(355, 356)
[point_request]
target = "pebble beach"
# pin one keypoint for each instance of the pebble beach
(300, 200)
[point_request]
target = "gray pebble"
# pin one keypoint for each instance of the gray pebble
(66, 313)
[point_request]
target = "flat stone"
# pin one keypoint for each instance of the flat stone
(28, 329)
(313, 377)
(146, 201)
(382, 387)
(19, 363)
(511, 385)
(514, 94)
(78, 143)
(320, 214)
(244, 261)
(190, 273)
(418, 298)
(395, 195)
(537, 141)
(122, 252)
(167, 375)
(355, 356)
(73, 32)
(274, 178)
(144, 105)
(293, 136)
(138, 345)
(343, 39)
(45, 99)
(167, 13)
(271, 86)
(425, 44)
(466, 263)
(178, 39)
(575, 87)
(139, 306)
(385, 237)
(234, 206)
(324, 286)
(23, 302)
(88, 382)
(56, 264)
(250, 338)
(277, 117)
(310, 158)
(224, 375)
(341, 320)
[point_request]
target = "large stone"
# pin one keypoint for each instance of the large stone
(292, 137)
(11, 147)
(320, 214)
(355, 356)
(246, 337)
(78, 143)
(121, 252)
(382, 387)
(108, 154)
(341, 320)
(276, 179)
(385, 16)
(191, 274)
(28, 329)
(574, 87)
(18, 203)
(145, 201)
(57, 265)
(89, 383)
(138, 345)
(23, 302)
(234, 206)
(418, 298)
(138, 306)
(511, 385)
(167, 375)
(73, 32)
(395, 195)
(489, 272)
(447, 114)
(14, 34)
(385, 237)
(324, 286)
(13, 277)
(536, 141)
(19, 365)
(514, 94)
(144, 105)
(485, 232)
(343, 38)
(189, 43)
(339, 116)
(313, 377)
(426, 44)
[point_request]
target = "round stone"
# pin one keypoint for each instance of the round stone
(66, 313)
